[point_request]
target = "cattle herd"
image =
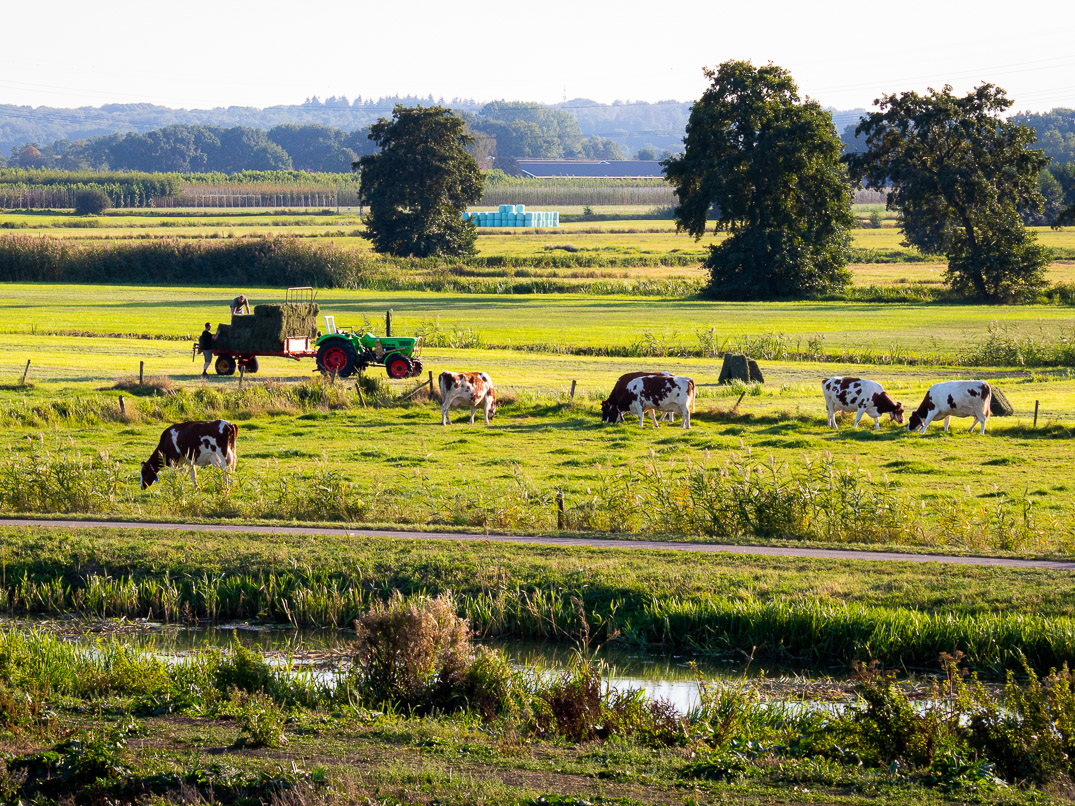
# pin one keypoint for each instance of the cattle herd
(212, 442)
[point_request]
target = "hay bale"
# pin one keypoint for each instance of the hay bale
(737, 367)
(265, 329)
(999, 405)
(755, 371)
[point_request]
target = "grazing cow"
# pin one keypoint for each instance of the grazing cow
(472, 389)
(861, 397)
(953, 399)
(613, 407)
(201, 442)
(660, 393)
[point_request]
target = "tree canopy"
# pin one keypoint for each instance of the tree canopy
(419, 183)
(768, 165)
(959, 174)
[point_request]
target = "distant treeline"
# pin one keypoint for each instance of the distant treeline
(632, 125)
(503, 132)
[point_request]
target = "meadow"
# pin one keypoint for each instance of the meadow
(759, 465)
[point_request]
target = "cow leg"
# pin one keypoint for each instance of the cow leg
(858, 416)
(947, 422)
(194, 473)
(926, 422)
(686, 418)
(487, 412)
(653, 416)
(832, 417)
(444, 418)
(473, 410)
(642, 419)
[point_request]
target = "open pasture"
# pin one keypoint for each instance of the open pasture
(621, 238)
(81, 340)
(551, 323)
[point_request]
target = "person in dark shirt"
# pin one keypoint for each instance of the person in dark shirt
(205, 344)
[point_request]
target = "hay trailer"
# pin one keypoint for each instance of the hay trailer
(287, 330)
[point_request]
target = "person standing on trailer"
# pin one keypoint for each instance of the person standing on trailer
(240, 305)
(205, 344)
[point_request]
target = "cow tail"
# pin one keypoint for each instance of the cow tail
(440, 386)
(987, 397)
(690, 393)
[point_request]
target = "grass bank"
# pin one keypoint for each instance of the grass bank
(811, 613)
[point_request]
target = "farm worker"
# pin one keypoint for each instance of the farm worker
(240, 305)
(205, 344)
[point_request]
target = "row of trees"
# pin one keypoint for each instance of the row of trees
(769, 168)
(501, 133)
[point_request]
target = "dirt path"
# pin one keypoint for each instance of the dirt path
(590, 542)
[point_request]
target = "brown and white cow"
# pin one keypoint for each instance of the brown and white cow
(673, 393)
(197, 443)
(613, 407)
(474, 389)
(953, 399)
(860, 396)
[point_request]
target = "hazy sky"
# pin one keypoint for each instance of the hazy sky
(200, 54)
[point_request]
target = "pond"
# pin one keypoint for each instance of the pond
(670, 676)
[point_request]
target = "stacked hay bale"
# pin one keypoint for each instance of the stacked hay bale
(999, 405)
(737, 367)
(264, 330)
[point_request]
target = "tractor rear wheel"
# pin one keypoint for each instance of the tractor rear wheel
(249, 364)
(416, 368)
(337, 356)
(225, 365)
(398, 366)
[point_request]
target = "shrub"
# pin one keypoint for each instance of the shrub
(261, 722)
(414, 652)
(91, 201)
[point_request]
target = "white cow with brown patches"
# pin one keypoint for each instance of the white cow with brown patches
(473, 389)
(674, 393)
(953, 399)
(199, 443)
(859, 396)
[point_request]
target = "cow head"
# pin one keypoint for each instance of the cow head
(914, 422)
(610, 412)
(149, 474)
(897, 414)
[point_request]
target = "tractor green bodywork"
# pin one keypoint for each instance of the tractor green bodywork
(345, 353)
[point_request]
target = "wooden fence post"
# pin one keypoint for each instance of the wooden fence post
(25, 371)
(122, 408)
(573, 389)
(1036, 402)
(141, 371)
(740, 400)
(361, 399)
(559, 509)
(388, 322)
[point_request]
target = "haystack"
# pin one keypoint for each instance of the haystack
(265, 329)
(738, 367)
(999, 405)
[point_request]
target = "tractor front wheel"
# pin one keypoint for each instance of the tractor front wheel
(337, 356)
(398, 366)
(225, 365)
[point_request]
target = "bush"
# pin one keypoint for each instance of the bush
(414, 653)
(91, 201)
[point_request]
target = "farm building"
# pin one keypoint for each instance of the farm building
(591, 169)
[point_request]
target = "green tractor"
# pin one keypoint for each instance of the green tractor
(345, 353)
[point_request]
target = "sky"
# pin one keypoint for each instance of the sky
(198, 54)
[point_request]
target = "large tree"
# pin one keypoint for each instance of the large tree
(767, 164)
(959, 174)
(419, 183)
